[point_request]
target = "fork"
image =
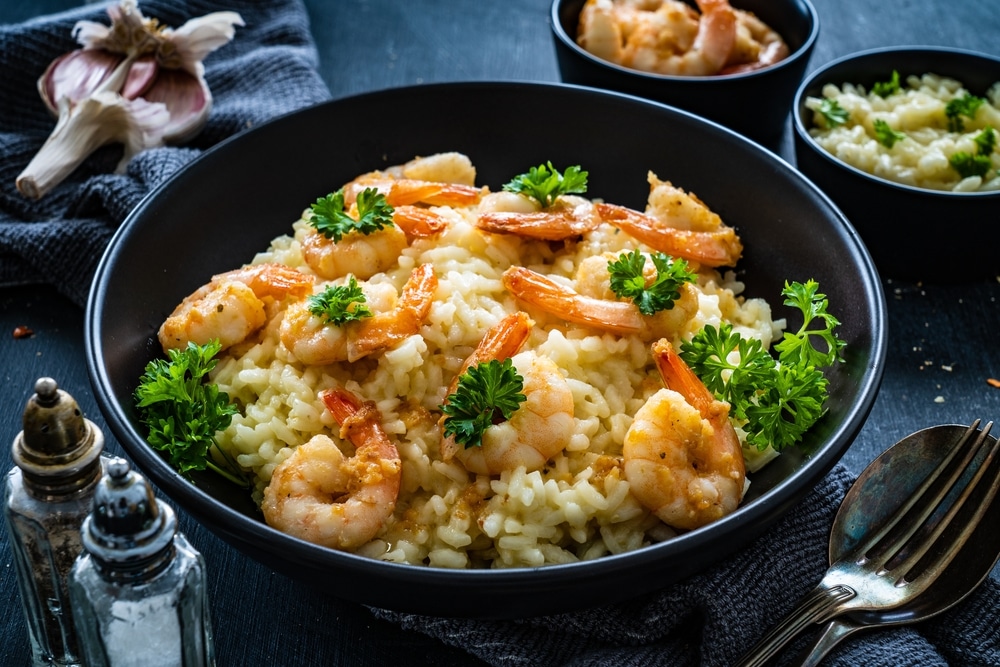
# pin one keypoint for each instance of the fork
(899, 560)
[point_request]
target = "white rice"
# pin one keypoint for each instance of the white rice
(921, 159)
(577, 507)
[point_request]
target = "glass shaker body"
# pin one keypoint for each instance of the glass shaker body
(149, 621)
(47, 497)
(45, 541)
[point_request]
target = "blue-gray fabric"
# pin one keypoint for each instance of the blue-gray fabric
(711, 618)
(269, 69)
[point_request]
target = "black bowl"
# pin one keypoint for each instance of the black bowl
(755, 104)
(912, 233)
(228, 205)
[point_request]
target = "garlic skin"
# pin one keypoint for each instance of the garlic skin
(134, 82)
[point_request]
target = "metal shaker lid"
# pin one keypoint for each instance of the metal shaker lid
(129, 528)
(59, 449)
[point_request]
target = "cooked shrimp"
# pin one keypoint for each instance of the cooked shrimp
(231, 306)
(542, 425)
(679, 209)
(757, 45)
(682, 457)
(665, 37)
(314, 341)
(406, 191)
(513, 213)
(605, 314)
(502, 341)
(710, 248)
(358, 254)
(364, 255)
(448, 167)
(319, 495)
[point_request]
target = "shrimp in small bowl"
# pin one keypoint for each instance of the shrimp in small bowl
(709, 57)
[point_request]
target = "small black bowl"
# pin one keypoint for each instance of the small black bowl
(754, 104)
(912, 233)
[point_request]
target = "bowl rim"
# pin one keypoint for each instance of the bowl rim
(814, 78)
(804, 51)
(220, 518)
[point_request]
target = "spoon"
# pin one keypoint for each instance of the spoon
(896, 474)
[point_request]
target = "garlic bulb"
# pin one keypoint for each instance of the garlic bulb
(134, 82)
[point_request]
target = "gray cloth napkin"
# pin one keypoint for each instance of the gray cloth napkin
(712, 618)
(268, 69)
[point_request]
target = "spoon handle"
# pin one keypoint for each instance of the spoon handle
(814, 608)
(831, 635)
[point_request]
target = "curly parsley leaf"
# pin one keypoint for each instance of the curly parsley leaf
(979, 164)
(798, 349)
(628, 281)
(968, 165)
(786, 409)
(886, 135)
(339, 304)
(486, 394)
(833, 113)
(544, 183)
(330, 218)
(782, 398)
(731, 377)
(183, 411)
(986, 141)
(966, 105)
(887, 88)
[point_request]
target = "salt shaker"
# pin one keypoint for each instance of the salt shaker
(138, 589)
(46, 498)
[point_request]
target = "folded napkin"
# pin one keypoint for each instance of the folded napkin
(712, 618)
(268, 69)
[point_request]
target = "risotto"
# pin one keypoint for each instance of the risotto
(929, 132)
(578, 504)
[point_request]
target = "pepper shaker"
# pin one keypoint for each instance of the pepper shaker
(46, 497)
(138, 589)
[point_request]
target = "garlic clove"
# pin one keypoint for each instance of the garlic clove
(187, 99)
(94, 121)
(141, 76)
(75, 75)
(144, 80)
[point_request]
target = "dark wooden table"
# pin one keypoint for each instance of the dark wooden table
(943, 343)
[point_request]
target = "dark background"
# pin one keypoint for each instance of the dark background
(943, 343)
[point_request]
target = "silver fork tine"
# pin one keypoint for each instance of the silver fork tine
(946, 555)
(858, 581)
(861, 552)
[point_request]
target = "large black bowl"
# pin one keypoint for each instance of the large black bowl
(912, 233)
(229, 204)
(755, 104)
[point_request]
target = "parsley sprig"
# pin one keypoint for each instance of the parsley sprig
(628, 281)
(833, 113)
(183, 411)
(887, 88)
(330, 218)
(544, 183)
(339, 304)
(966, 105)
(967, 164)
(780, 398)
(487, 393)
(885, 134)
